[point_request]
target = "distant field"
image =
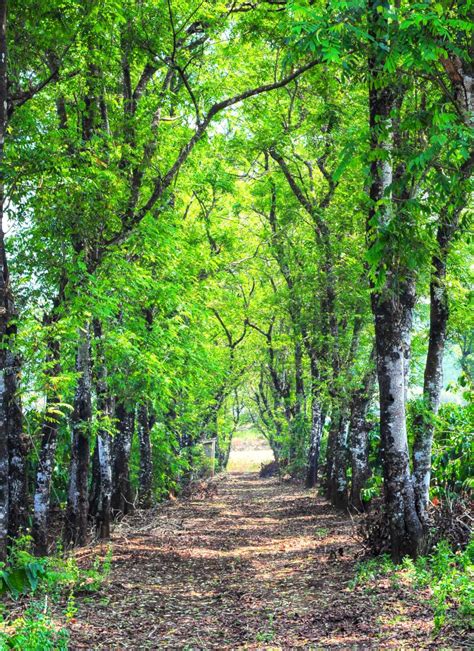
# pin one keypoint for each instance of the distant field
(248, 452)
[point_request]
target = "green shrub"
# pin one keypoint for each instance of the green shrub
(449, 575)
(44, 580)
(35, 630)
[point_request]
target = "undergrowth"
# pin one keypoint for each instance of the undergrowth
(449, 576)
(38, 597)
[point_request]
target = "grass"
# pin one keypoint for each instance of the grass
(249, 433)
(31, 589)
(449, 575)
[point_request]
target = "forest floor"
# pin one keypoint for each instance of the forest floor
(248, 563)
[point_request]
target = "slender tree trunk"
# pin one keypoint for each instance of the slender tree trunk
(103, 449)
(433, 379)
(432, 386)
(76, 526)
(13, 486)
(47, 454)
(104, 458)
(17, 446)
(317, 423)
(122, 499)
(338, 478)
(331, 452)
(145, 480)
(358, 436)
(4, 316)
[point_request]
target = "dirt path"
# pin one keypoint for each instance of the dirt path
(256, 564)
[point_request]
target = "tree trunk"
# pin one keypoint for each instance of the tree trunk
(317, 423)
(432, 386)
(392, 325)
(338, 477)
(358, 436)
(47, 454)
(76, 525)
(103, 449)
(13, 486)
(122, 499)
(439, 313)
(328, 483)
(104, 494)
(17, 445)
(145, 480)
(393, 305)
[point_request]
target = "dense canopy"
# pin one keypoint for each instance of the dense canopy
(227, 215)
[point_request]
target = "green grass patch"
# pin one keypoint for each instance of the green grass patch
(38, 622)
(448, 574)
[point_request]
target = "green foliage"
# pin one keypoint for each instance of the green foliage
(453, 451)
(24, 573)
(448, 575)
(231, 262)
(35, 630)
(42, 583)
(373, 488)
(372, 569)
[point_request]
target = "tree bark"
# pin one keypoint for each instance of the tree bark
(317, 424)
(103, 449)
(47, 453)
(393, 304)
(392, 323)
(145, 479)
(433, 382)
(358, 436)
(122, 499)
(13, 484)
(337, 472)
(76, 526)
(330, 452)
(461, 75)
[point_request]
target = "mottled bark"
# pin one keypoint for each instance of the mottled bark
(145, 479)
(461, 75)
(337, 479)
(432, 386)
(122, 498)
(330, 453)
(358, 435)
(316, 431)
(17, 443)
(76, 525)
(103, 450)
(46, 460)
(102, 511)
(13, 486)
(317, 423)
(393, 304)
(391, 324)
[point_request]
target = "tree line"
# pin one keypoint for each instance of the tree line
(224, 211)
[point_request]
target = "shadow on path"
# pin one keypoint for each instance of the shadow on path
(257, 565)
